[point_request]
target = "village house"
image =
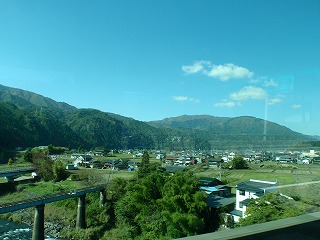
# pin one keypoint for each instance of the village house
(219, 195)
(247, 191)
(214, 162)
(174, 169)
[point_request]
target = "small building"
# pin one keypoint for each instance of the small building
(247, 191)
(99, 152)
(316, 160)
(215, 162)
(83, 157)
(209, 182)
(71, 167)
(219, 195)
(214, 186)
(95, 164)
(216, 201)
(173, 169)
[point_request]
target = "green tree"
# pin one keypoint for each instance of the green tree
(146, 167)
(184, 207)
(43, 166)
(239, 163)
(145, 159)
(10, 161)
(116, 189)
(56, 150)
(159, 205)
(27, 156)
(59, 171)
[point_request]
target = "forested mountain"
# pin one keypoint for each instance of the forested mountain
(29, 119)
(34, 127)
(238, 132)
(23, 99)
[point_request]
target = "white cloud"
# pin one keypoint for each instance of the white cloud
(229, 104)
(270, 83)
(249, 92)
(227, 71)
(274, 101)
(296, 106)
(183, 99)
(223, 72)
(196, 67)
(180, 98)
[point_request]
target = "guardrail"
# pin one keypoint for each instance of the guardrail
(17, 169)
(41, 200)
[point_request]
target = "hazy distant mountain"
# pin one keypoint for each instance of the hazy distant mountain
(239, 132)
(29, 119)
(244, 125)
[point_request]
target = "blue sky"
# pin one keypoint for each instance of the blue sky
(153, 59)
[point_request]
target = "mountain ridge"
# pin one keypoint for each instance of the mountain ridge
(23, 98)
(28, 114)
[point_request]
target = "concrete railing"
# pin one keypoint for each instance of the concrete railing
(39, 204)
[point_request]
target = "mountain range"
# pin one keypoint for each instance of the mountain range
(29, 119)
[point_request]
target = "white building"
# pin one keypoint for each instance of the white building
(247, 191)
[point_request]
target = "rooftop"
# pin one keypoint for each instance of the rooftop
(255, 185)
(217, 201)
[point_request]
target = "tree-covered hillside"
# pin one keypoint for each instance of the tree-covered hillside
(23, 99)
(29, 119)
(35, 126)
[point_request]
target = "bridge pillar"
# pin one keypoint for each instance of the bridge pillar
(102, 197)
(38, 224)
(81, 217)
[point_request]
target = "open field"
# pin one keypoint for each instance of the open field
(268, 171)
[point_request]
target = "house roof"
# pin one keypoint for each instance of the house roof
(216, 160)
(255, 185)
(173, 169)
(246, 201)
(206, 181)
(217, 201)
(222, 187)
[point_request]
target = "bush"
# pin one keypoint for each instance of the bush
(43, 166)
(83, 234)
(10, 161)
(239, 163)
(59, 171)
(75, 177)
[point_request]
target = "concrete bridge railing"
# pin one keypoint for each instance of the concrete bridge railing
(39, 204)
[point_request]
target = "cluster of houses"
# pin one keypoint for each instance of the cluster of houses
(218, 157)
(214, 159)
(219, 194)
(304, 157)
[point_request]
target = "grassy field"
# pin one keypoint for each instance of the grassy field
(268, 171)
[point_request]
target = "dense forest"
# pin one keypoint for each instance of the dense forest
(29, 119)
